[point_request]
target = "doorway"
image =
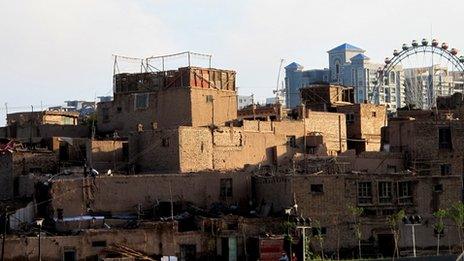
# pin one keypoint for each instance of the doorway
(386, 244)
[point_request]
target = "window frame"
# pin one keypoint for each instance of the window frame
(385, 192)
(364, 195)
(402, 198)
(137, 96)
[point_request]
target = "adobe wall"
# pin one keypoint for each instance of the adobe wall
(420, 140)
(107, 154)
(202, 189)
(195, 150)
(223, 106)
(72, 131)
(6, 176)
(330, 207)
(234, 148)
(167, 108)
(378, 162)
(332, 126)
(368, 120)
(161, 239)
(256, 143)
(155, 150)
(17, 165)
(24, 162)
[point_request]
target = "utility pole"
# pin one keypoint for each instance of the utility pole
(30, 126)
(6, 120)
(413, 221)
(172, 204)
(39, 223)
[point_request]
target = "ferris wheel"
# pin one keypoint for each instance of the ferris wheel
(427, 70)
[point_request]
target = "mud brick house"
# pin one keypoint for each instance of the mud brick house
(32, 127)
(363, 121)
(189, 96)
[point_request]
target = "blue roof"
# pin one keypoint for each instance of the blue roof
(346, 47)
(293, 65)
(359, 57)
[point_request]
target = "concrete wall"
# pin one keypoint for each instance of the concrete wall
(202, 189)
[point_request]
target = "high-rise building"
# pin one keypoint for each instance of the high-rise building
(426, 83)
(349, 66)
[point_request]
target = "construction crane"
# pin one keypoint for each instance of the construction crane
(278, 91)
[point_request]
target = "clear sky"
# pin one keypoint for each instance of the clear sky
(56, 50)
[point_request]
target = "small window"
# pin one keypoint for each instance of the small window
(291, 141)
(69, 254)
(364, 193)
(445, 169)
(438, 188)
(225, 188)
(119, 109)
(141, 101)
(374, 114)
(165, 142)
(209, 98)
(444, 138)
(101, 243)
(317, 188)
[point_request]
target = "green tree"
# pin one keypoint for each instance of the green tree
(393, 222)
(319, 237)
(456, 213)
(439, 225)
(356, 212)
